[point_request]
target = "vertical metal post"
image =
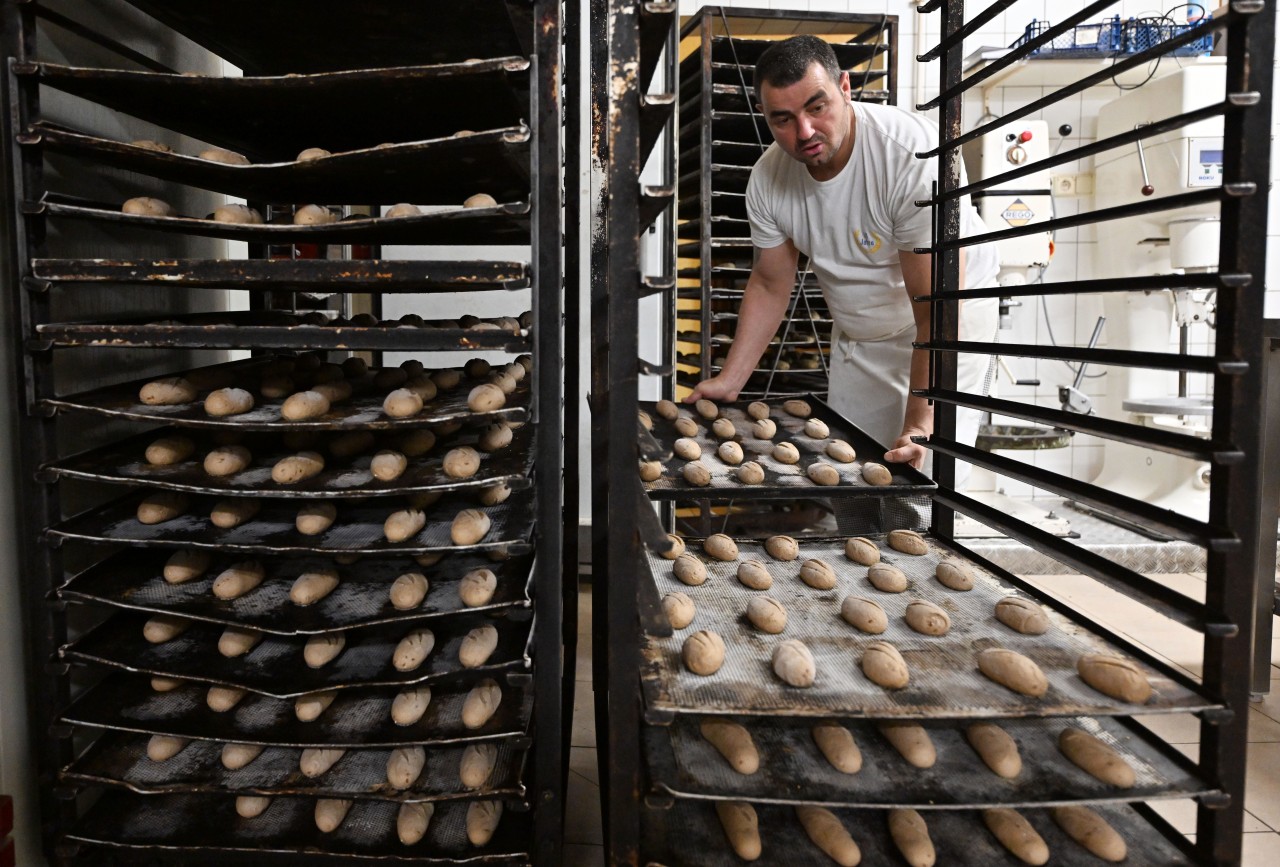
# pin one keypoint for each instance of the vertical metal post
(706, 261)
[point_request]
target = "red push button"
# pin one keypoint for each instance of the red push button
(1024, 136)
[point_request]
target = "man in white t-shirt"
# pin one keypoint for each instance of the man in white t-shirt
(840, 184)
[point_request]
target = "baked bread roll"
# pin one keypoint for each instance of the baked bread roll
(734, 743)
(750, 473)
(686, 449)
(650, 471)
(862, 551)
(317, 761)
(797, 408)
(477, 646)
(251, 806)
(1096, 758)
(330, 813)
(1091, 831)
(1022, 615)
(767, 615)
(312, 154)
(1115, 676)
(480, 200)
(754, 574)
(882, 664)
(469, 527)
(183, 566)
(817, 429)
(998, 750)
(730, 453)
(685, 426)
(667, 409)
(461, 463)
(1013, 670)
(477, 764)
(403, 525)
(408, 591)
(486, 397)
(926, 618)
(219, 155)
(166, 684)
(417, 443)
(677, 547)
(228, 401)
(908, 542)
(911, 835)
(161, 748)
(403, 209)
(320, 650)
(786, 453)
(841, 451)
(162, 506)
(170, 450)
(911, 741)
(838, 747)
(482, 816)
(822, 474)
(758, 410)
(236, 641)
(477, 587)
(721, 547)
(741, 828)
(679, 609)
(410, 704)
(164, 627)
(304, 405)
(413, 650)
(412, 821)
(147, 206)
(170, 391)
(782, 547)
(1016, 834)
(764, 429)
(227, 461)
(954, 574)
(886, 578)
(297, 468)
(238, 579)
(313, 585)
(496, 436)
(149, 145)
(864, 614)
(696, 474)
(230, 513)
(723, 429)
(314, 518)
(876, 474)
(793, 662)
(307, 708)
(829, 834)
(707, 409)
(703, 652)
(276, 387)
(689, 570)
(236, 756)
(404, 766)
(818, 574)
(481, 703)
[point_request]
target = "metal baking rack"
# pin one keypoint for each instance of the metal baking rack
(358, 717)
(133, 580)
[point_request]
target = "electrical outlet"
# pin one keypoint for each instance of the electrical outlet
(1063, 185)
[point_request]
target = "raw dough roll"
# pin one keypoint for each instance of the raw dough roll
(786, 453)
(1096, 758)
(334, 392)
(314, 215)
(730, 453)
(354, 367)
(161, 748)
(480, 200)
(864, 614)
(679, 609)
(696, 474)
(147, 206)
(297, 468)
(817, 429)
(170, 391)
(954, 574)
(251, 806)
(477, 764)
(477, 367)
(767, 615)
(838, 747)
(822, 474)
(724, 429)
(486, 397)
(166, 684)
(314, 518)
(1013, 670)
(882, 664)
(496, 436)
(818, 574)
(461, 463)
(304, 405)
(862, 551)
(417, 443)
(228, 401)
(793, 662)
(429, 558)
(721, 547)
(413, 650)
(707, 409)
(403, 525)
(312, 154)
(238, 579)
(1022, 615)
(149, 145)
(275, 387)
(1016, 834)
(750, 473)
(839, 450)
(996, 747)
(758, 410)
(754, 574)
(477, 646)
(404, 766)
(688, 569)
(764, 429)
(908, 542)
(162, 506)
(911, 835)
(307, 708)
(1114, 676)
(404, 209)
(782, 547)
(650, 471)
(330, 812)
(667, 409)
(446, 380)
(219, 155)
(242, 214)
(412, 821)
(876, 474)
(232, 513)
(320, 650)
(482, 816)
(911, 741)
(477, 587)
(408, 591)
(926, 618)
(312, 586)
(481, 703)
(829, 834)
(886, 578)
(184, 566)
(402, 403)
(227, 461)
(236, 641)
(1091, 831)
(797, 408)
(687, 449)
(677, 547)
(734, 743)
(410, 704)
(685, 426)
(237, 756)
(167, 451)
(741, 828)
(469, 527)
(703, 652)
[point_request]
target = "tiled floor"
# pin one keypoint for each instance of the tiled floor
(1176, 644)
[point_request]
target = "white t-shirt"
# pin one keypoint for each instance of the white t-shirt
(852, 226)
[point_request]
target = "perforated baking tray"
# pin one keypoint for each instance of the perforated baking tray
(781, 481)
(276, 667)
(208, 823)
(133, 580)
(945, 681)
(690, 835)
(793, 770)
(123, 462)
(358, 717)
(358, 528)
(120, 760)
(362, 412)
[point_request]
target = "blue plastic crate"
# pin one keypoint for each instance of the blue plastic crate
(1143, 33)
(1104, 39)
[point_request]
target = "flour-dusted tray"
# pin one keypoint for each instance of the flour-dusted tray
(358, 717)
(781, 481)
(133, 580)
(690, 835)
(945, 681)
(793, 770)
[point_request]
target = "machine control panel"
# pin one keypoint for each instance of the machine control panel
(1204, 162)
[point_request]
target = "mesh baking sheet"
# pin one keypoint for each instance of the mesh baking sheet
(793, 770)
(133, 579)
(781, 481)
(121, 760)
(362, 412)
(690, 835)
(945, 681)
(206, 823)
(357, 717)
(358, 528)
(124, 462)
(276, 667)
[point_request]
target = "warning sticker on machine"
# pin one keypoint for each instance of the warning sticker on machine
(1018, 213)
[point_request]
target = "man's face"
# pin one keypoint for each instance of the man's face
(810, 119)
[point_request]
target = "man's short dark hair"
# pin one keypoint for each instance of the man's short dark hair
(786, 62)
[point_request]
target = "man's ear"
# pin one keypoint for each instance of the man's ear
(845, 86)
(759, 108)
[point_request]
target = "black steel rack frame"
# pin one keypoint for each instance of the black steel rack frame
(392, 88)
(720, 138)
(1234, 449)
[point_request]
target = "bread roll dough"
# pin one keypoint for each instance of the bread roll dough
(886, 578)
(908, 542)
(320, 650)
(231, 513)
(410, 704)
(1013, 670)
(412, 821)
(1016, 834)
(758, 410)
(679, 609)
(829, 834)
(146, 206)
(403, 525)
(839, 450)
(733, 742)
(413, 650)
(703, 652)
(313, 585)
(482, 816)
(862, 551)
(721, 547)
(314, 215)
(667, 409)
(461, 463)
(882, 664)
(304, 405)
(864, 614)
(404, 766)
(786, 453)
(767, 614)
(227, 461)
(170, 391)
(677, 547)
(822, 474)
(235, 213)
(237, 756)
(686, 449)
(219, 155)
(954, 574)
(1096, 758)
(236, 641)
(469, 527)
(817, 429)
(688, 569)
(765, 429)
(741, 828)
(308, 708)
(183, 566)
(876, 474)
(797, 408)
(724, 429)
(685, 426)
(486, 397)
(818, 574)
(297, 468)
(402, 403)
(793, 662)
(911, 741)
(1115, 676)
(480, 200)
(754, 574)
(408, 591)
(838, 747)
(228, 401)
(161, 748)
(696, 474)
(238, 579)
(403, 209)
(1022, 615)
(1091, 831)
(496, 436)
(167, 451)
(926, 618)
(707, 409)
(730, 453)
(314, 518)
(481, 703)
(477, 587)
(251, 806)
(330, 813)
(477, 646)
(911, 835)
(162, 506)
(996, 747)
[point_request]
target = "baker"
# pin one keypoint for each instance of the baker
(840, 184)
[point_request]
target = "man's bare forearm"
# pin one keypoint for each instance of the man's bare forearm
(758, 320)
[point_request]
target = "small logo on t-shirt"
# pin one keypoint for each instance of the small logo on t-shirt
(1018, 213)
(868, 241)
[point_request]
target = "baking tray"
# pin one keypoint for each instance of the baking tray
(945, 682)
(358, 529)
(690, 835)
(357, 718)
(275, 666)
(793, 771)
(133, 580)
(322, 275)
(277, 330)
(123, 462)
(120, 760)
(208, 823)
(505, 223)
(363, 411)
(781, 481)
